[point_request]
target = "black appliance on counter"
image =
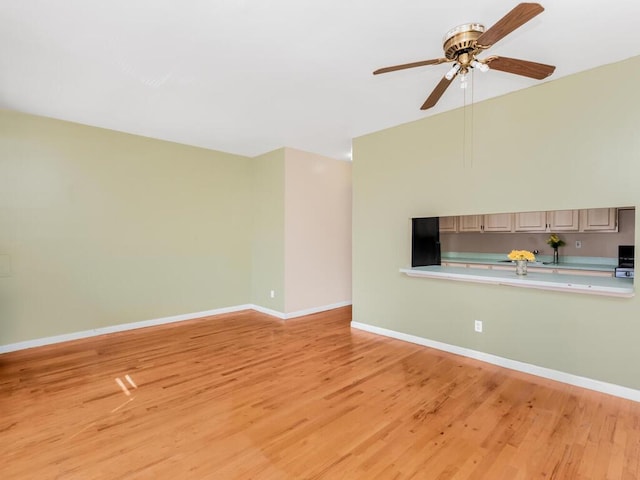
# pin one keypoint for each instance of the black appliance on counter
(626, 261)
(425, 241)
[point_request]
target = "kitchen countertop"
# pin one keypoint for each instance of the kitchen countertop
(602, 264)
(610, 286)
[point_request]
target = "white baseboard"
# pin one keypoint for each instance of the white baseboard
(39, 342)
(309, 311)
(578, 381)
(268, 311)
(299, 313)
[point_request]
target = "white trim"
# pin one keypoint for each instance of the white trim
(65, 337)
(299, 313)
(309, 311)
(268, 311)
(39, 342)
(578, 381)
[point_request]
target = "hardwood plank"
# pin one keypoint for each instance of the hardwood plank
(243, 396)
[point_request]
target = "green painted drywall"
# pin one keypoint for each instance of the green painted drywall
(267, 240)
(569, 143)
(102, 228)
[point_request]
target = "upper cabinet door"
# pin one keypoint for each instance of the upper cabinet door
(448, 224)
(531, 222)
(599, 220)
(563, 220)
(498, 222)
(470, 223)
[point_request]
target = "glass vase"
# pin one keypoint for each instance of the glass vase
(521, 267)
(555, 256)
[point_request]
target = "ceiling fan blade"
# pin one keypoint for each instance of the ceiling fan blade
(517, 17)
(437, 93)
(539, 71)
(434, 61)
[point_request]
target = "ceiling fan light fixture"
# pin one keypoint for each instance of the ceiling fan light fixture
(483, 67)
(452, 72)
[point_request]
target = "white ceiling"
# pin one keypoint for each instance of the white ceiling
(250, 76)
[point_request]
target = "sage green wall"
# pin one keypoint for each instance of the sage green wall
(102, 228)
(569, 143)
(267, 239)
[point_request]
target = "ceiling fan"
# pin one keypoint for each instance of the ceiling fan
(463, 43)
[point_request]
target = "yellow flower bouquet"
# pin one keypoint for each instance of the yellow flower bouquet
(521, 255)
(555, 241)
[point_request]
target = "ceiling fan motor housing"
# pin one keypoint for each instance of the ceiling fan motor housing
(461, 40)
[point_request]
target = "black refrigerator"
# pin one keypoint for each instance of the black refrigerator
(425, 241)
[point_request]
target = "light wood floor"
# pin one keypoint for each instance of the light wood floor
(244, 396)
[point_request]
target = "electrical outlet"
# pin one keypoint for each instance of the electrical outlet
(272, 294)
(578, 244)
(478, 326)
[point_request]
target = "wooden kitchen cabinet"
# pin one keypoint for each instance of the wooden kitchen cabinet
(589, 273)
(590, 220)
(563, 220)
(454, 264)
(555, 221)
(448, 224)
(531, 222)
(599, 220)
(470, 223)
(498, 222)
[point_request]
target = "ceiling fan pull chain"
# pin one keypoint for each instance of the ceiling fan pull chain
(472, 126)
